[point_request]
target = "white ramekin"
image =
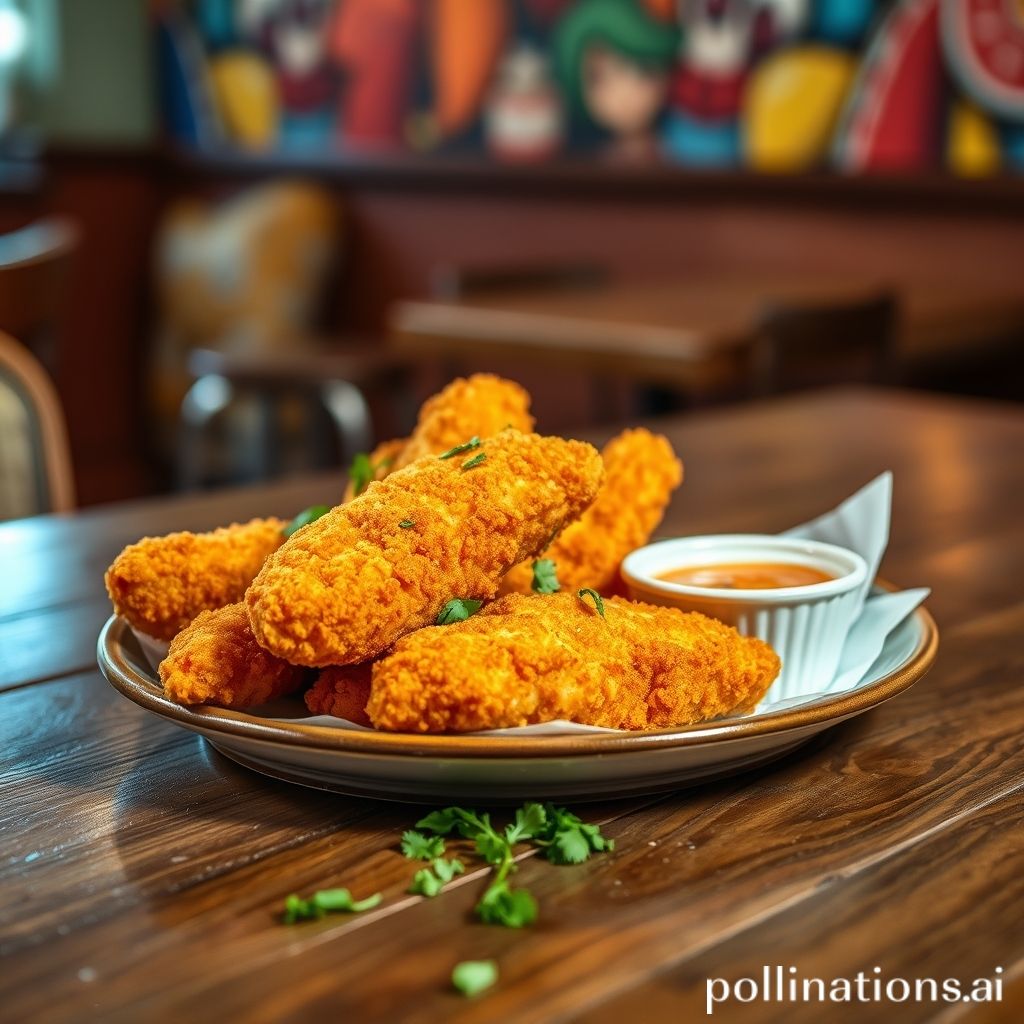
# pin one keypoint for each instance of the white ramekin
(805, 625)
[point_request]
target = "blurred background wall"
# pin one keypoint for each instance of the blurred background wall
(90, 72)
(659, 141)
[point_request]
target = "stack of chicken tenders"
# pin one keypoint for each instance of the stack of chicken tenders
(413, 605)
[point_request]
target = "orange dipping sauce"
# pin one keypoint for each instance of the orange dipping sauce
(746, 576)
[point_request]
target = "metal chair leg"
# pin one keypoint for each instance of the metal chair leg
(207, 397)
(351, 416)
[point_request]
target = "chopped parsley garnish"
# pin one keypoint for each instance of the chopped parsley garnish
(475, 461)
(500, 903)
(471, 977)
(473, 442)
(568, 840)
(563, 837)
(360, 473)
(560, 835)
(326, 901)
(545, 577)
(406, 524)
(363, 472)
(594, 596)
(430, 881)
(457, 610)
(417, 846)
(304, 518)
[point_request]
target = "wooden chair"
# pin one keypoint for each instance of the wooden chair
(34, 269)
(35, 462)
(799, 347)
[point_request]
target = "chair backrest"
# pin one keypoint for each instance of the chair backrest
(801, 347)
(451, 283)
(34, 269)
(35, 462)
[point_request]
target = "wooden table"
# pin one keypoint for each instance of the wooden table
(694, 333)
(142, 871)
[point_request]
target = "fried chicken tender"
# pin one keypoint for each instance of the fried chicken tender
(523, 660)
(160, 584)
(342, 691)
(344, 588)
(641, 472)
(476, 406)
(216, 660)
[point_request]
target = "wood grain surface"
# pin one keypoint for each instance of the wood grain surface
(142, 872)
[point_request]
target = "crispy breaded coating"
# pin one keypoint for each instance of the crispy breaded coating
(480, 405)
(160, 584)
(477, 406)
(216, 660)
(342, 691)
(523, 660)
(640, 473)
(345, 588)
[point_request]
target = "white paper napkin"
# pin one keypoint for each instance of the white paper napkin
(861, 524)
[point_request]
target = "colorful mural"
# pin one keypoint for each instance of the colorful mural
(771, 85)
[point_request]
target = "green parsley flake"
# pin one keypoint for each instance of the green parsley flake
(417, 846)
(595, 596)
(360, 473)
(304, 518)
(457, 610)
(511, 908)
(363, 472)
(545, 577)
(471, 977)
(425, 883)
(326, 901)
(406, 524)
(566, 839)
(446, 870)
(473, 442)
(475, 461)
(430, 881)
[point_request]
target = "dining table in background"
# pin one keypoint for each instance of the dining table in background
(143, 873)
(694, 334)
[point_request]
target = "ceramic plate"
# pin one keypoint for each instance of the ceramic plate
(494, 768)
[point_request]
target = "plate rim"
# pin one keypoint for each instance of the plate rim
(140, 690)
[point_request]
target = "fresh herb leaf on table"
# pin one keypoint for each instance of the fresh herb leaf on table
(531, 819)
(417, 846)
(471, 977)
(326, 901)
(430, 881)
(564, 838)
